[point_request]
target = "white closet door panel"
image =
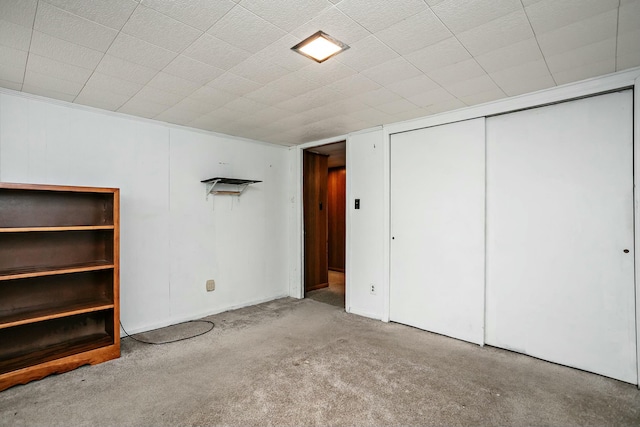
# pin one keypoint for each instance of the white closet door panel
(559, 219)
(437, 225)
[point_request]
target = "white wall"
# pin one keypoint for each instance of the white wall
(172, 239)
(365, 259)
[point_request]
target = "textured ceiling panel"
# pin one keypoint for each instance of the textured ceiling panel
(227, 66)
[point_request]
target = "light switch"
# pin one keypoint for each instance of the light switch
(357, 203)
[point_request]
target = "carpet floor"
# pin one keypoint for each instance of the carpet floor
(300, 362)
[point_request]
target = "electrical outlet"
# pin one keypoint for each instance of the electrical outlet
(372, 289)
(211, 285)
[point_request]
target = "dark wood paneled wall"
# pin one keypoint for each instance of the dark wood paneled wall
(315, 172)
(337, 223)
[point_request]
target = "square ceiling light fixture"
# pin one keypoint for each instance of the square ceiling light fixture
(320, 47)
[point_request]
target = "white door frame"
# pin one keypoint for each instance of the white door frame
(296, 277)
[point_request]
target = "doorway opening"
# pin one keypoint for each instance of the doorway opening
(324, 210)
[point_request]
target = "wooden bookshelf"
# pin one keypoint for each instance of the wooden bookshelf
(59, 279)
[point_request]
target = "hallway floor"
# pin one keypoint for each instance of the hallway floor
(334, 294)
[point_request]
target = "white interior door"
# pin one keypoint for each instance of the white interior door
(560, 278)
(437, 228)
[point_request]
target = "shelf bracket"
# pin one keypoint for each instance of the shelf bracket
(240, 185)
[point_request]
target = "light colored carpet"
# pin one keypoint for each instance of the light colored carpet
(334, 293)
(299, 362)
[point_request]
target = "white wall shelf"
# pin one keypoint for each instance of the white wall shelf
(227, 186)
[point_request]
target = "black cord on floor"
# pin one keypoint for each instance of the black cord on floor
(180, 339)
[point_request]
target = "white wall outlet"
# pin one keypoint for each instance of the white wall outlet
(372, 289)
(211, 285)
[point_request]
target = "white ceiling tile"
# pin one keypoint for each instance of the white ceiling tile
(9, 84)
(14, 35)
(258, 70)
(159, 96)
(125, 70)
(510, 56)
(376, 15)
(584, 55)
(112, 13)
(64, 51)
(216, 52)
(140, 52)
(500, 32)
(12, 73)
(288, 14)
(211, 122)
(628, 61)
(628, 48)
(435, 96)
(524, 78)
(414, 33)
(392, 71)
(366, 53)
(327, 72)
(173, 84)
(72, 28)
(309, 100)
(340, 108)
(547, 15)
(46, 82)
(244, 106)
(409, 87)
(20, 12)
(443, 106)
(439, 55)
(588, 31)
(629, 17)
(177, 115)
(141, 107)
(159, 29)
(280, 53)
(212, 96)
(245, 30)
(102, 82)
(292, 84)
(462, 15)
(585, 71)
(377, 97)
(13, 57)
(269, 114)
(48, 92)
(196, 106)
(60, 70)
(267, 95)
(200, 14)
(354, 85)
(410, 114)
(457, 72)
(98, 98)
(190, 69)
(396, 107)
(232, 83)
(483, 97)
(471, 86)
(628, 43)
(336, 24)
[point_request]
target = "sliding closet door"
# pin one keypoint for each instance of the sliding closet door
(560, 279)
(437, 228)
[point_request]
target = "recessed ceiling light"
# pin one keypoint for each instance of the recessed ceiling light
(320, 47)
